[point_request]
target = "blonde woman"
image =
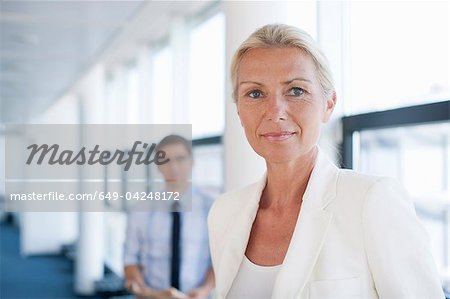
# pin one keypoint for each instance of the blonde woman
(307, 229)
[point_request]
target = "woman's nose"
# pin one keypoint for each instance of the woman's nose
(276, 108)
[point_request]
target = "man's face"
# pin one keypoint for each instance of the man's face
(179, 168)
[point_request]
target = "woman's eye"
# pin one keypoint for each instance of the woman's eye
(296, 91)
(254, 94)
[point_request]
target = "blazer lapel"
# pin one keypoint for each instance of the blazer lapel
(306, 242)
(310, 231)
(234, 248)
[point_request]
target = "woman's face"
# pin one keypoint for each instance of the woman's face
(281, 103)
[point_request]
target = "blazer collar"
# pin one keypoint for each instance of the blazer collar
(307, 239)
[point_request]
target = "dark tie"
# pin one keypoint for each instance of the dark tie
(175, 261)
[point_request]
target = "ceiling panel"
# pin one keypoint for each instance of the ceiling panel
(46, 45)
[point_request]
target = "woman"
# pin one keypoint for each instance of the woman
(307, 229)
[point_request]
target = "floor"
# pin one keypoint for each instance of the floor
(32, 277)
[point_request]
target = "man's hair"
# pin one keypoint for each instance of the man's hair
(175, 139)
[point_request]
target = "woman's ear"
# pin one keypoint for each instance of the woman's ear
(330, 104)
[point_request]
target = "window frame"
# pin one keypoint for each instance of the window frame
(399, 117)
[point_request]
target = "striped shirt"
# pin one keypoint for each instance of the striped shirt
(148, 244)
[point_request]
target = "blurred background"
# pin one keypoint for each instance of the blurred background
(166, 62)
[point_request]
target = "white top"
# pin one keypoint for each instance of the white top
(253, 281)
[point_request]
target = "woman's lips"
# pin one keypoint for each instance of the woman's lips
(278, 136)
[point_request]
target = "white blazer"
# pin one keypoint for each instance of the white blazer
(357, 236)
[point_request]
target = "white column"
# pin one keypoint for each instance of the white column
(90, 247)
(242, 164)
(91, 240)
(89, 258)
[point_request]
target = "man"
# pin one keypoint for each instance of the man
(167, 253)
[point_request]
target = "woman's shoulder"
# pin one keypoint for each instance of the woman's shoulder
(235, 198)
(353, 185)
(359, 180)
(355, 188)
(229, 203)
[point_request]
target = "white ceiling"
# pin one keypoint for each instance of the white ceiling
(45, 46)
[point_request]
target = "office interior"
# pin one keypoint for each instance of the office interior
(167, 62)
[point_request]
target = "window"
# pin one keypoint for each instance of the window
(132, 94)
(399, 54)
(302, 14)
(208, 166)
(412, 145)
(419, 157)
(206, 78)
(115, 96)
(162, 87)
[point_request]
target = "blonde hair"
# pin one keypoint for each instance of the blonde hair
(284, 36)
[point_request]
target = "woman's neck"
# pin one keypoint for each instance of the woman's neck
(286, 182)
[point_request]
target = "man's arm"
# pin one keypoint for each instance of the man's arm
(209, 282)
(134, 280)
(205, 289)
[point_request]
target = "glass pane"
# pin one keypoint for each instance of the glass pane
(208, 167)
(207, 77)
(399, 52)
(302, 14)
(419, 156)
(115, 97)
(132, 95)
(161, 100)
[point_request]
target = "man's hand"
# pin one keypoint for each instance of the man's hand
(137, 288)
(198, 293)
(169, 293)
(134, 281)
(204, 290)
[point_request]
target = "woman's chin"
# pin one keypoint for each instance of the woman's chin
(283, 155)
(280, 157)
